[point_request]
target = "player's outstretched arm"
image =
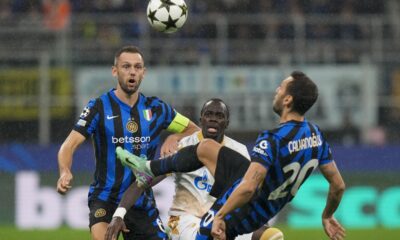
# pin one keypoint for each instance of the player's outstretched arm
(65, 155)
(336, 189)
(241, 195)
(129, 198)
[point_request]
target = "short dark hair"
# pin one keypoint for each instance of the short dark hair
(303, 90)
(128, 49)
(215, 100)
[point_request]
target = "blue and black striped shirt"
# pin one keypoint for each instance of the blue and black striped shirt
(111, 123)
(290, 152)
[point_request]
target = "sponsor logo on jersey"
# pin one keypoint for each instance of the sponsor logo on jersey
(201, 183)
(263, 144)
(259, 150)
(126, 139)
(132, 126)
(261, 147)
(304, 143)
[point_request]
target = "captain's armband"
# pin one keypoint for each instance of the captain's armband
(178, 124)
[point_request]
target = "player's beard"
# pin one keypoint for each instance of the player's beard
(129, 90)
(277, 107)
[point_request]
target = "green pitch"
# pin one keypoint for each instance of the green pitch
(10, 233)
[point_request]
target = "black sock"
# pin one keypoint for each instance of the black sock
(185, 160)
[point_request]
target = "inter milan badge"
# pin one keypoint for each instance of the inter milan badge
(147, 114)
(101, 212)
(131, 126)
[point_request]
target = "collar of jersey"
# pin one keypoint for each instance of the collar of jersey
(124, 105)
(201, 137)
(294, 122)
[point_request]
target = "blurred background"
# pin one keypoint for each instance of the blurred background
(57, 54)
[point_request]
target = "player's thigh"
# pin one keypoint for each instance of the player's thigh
(183, 227)
(100, 214)
(98, 230)
(144, 225)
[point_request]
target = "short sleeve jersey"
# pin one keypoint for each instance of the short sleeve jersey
(290, 152)
(112, 123)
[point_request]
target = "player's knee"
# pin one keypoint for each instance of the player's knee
(98, 230)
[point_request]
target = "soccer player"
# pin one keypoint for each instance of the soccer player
(122, 117)
(281, 160)
(192, 199)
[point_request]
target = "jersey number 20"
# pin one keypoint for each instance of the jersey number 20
(297, 176)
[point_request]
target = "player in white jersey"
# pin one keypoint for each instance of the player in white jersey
(192, 192)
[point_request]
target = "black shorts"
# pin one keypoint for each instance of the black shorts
(231, 166)
(143, 224)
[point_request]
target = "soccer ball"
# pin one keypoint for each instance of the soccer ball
(272, 234)
(167, 15)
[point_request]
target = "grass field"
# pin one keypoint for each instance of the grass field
(11, 233)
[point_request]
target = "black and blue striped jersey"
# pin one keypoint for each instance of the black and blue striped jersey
(290, 153)
(112, 123)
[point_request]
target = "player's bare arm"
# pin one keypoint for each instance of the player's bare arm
(129, 198)
(252, 179)
(65, 155)
(336, 189)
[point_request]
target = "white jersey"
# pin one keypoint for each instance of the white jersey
(192, 189)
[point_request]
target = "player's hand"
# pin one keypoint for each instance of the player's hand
(64, 182)
(218, 229)
(333, 229)
(170, 145)
(116, 225)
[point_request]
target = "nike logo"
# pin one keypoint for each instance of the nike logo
(112, 117)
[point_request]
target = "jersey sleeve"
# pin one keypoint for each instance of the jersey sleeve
(178, 124)
(326, 153)
(264, 150)
(88, 119)
(168, 113)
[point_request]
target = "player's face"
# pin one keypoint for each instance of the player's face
(280, 94)
(129, 70)
(214, 120)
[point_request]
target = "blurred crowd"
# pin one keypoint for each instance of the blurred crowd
(57, 14)
(342, 30)
(226, 6)
(273, 21)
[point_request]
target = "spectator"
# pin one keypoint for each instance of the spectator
(56, 14)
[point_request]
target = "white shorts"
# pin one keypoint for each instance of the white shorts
(185, 227)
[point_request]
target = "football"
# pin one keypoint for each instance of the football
(167, 15)
(272, 234)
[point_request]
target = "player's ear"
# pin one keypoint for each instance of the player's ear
(288, 100)
(114, 71)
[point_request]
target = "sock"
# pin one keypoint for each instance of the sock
(185, 160)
